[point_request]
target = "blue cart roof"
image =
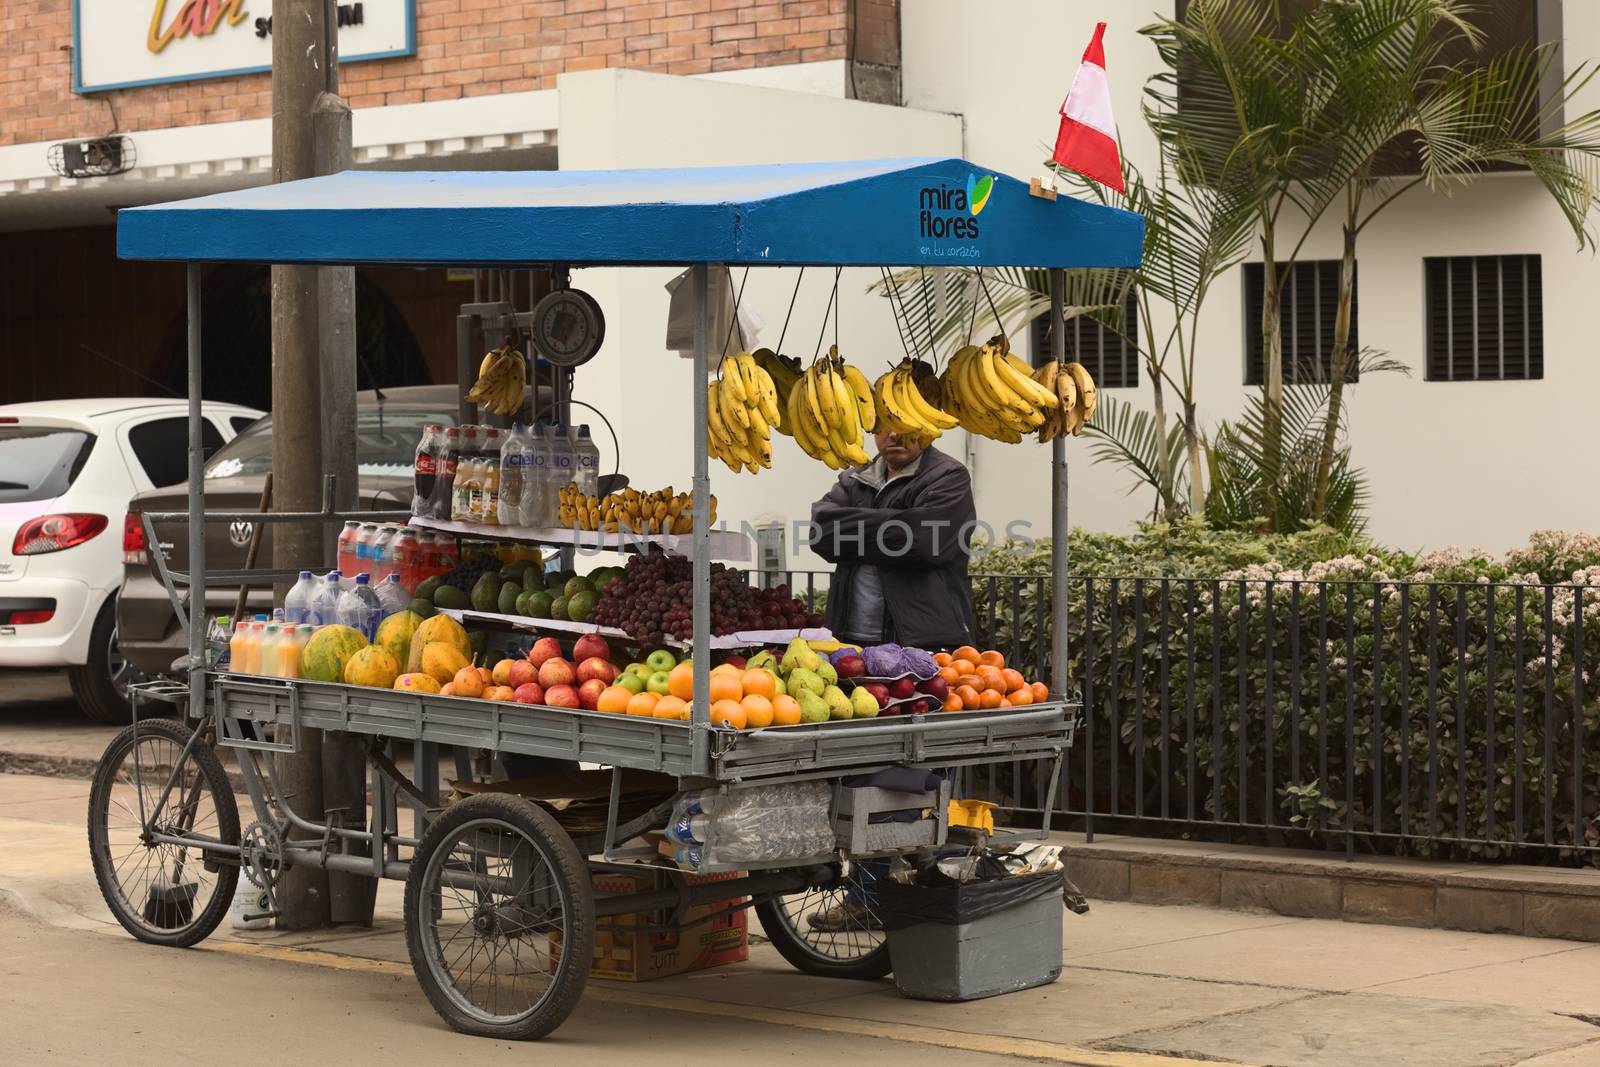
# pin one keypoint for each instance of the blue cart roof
(891, 212)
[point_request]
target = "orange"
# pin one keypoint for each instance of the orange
(969, 679)
(1013, 678)
(761, 683)
(991, 658)
(785, 711)
(964, 666)
(498, 692)
(614, 699)
(448, 689)
(468, 682)
(643, 703)
(990, 698)
(670, 707)
(1004, 703)
(969, 697)
(966, 652)
(1041, 692)
(726, 687)
(728, 713)
(991, 679)
(952, 703)
(726, 668)
(1020, 697)
(942, 659)
(758, 710)
(949, 674)
(680, 681)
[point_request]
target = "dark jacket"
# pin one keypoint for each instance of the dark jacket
(917, 531)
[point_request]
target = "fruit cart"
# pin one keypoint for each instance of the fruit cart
(500, 912)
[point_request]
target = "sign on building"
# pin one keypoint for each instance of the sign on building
(119, 44)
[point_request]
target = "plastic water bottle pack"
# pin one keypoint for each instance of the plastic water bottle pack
(752, 825)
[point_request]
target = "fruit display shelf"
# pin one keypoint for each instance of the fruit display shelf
(719, 643)
(725, 544)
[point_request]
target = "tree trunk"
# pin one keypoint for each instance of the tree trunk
(1166, 492)
(1197, 482)
(1272, 376)
(1339, 365)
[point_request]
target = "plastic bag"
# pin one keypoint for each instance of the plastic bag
(937, 898)
(752, 825)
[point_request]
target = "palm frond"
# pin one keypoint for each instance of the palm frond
(1126, 436)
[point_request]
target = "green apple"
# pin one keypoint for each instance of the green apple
(657, 683)
(640, 669)
(632, 682)
(661, 660)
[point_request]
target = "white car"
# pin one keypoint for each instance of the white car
(67, 471)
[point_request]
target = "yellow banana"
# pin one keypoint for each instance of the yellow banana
(731, 376)
(1001, 390)
(861, 390)
(759, 386)
(1015, 373)
(734, 410)
(891, 412)
(1087, 400)
(919, 406)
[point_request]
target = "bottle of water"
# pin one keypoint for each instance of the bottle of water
(324, 607)
(587, 463)
(563, 463)
(392, 596)
(513, 475)
(358, 608)
(531, 509)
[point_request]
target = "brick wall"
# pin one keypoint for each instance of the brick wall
(464, 48)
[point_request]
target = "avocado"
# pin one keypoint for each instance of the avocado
(524, 600)
(511, 572)
(448, 596)
(578, 585)
(422, 607)
(426, 589)
(558, 608)
(486, 594)
(539, 604)
(580, 604)
(532, 575)
(506, 603)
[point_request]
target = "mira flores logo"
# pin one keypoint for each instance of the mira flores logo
(946, 211)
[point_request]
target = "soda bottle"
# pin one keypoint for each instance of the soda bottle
(513, 472)
(467, 473)
(444, 483)
(347, 546)
(407, 549)
(484, 506)
(425, 470)
(587, 463)
(383, 552)
(324, 609)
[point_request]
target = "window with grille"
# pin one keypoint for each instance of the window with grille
(1111, 358)
(1307, 310)
(1484, 318)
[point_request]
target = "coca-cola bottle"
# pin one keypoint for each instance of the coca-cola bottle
(426, 468)
(442, 499)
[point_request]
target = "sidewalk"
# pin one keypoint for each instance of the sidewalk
(1142, 985)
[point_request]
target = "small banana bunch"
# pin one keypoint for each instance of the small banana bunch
(502, 380)
(992, 393)
(903, 405)
(741, 409)
(829, 407)
(785, 374)
(1073, 386)
(662, 511)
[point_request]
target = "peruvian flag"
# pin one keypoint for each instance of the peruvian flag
(1087, 142)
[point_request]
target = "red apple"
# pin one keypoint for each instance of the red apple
(529, 693)
(918, 707)
(522, 672)
(546, 648)
(591, 646)
(937, 688)
(880, 693)
(562, 696)
(851, 666)
(737, 661)
(556, 672)
(589, 693)
(898, 709)
(597, 669)
(901, 688)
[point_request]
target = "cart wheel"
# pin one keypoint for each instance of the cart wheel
(831, 932)
(163, 893)
(500, 918)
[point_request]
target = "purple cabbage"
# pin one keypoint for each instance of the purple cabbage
(919, 662)
(884, 661)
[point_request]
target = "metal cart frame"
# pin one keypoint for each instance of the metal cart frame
(486, 850)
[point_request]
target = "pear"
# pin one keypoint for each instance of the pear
(783, 689)
(839, 706)
(802, 679)
(863, 705)
(825, 671)
(799, 655)
(812, 707)
(763, 660)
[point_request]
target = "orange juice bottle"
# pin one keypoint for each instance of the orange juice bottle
(286, 656)
(236, 646)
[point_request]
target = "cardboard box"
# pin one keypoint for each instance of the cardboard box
(710, 935)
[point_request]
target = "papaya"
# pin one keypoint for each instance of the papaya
(439, 629)
(373, 666)
(442, 662)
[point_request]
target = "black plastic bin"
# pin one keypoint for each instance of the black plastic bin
(952, 940)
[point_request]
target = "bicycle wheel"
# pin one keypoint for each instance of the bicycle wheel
(500, 918)
(831, 932)
(163, 892)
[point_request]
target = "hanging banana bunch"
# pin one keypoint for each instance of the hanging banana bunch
(502, 380)
(741, 409)
(828, 410)
(1075, 389)
(785, 374)
(903, 405)
(992, 393)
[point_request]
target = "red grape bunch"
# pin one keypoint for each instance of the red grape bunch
(654, 600)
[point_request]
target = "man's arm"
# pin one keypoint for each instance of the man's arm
(829, 545)
(929, 532)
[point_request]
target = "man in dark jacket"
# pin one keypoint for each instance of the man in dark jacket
(898, 532)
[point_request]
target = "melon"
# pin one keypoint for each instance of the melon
(329, 649)
(416, 683)
(441, 629)
(442, 662)
(373, 666)
(395, 632)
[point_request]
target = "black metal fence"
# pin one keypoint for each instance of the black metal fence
(1450, 720)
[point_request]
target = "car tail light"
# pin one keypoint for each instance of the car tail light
(52, 533)
(29, 618)
(135, 549)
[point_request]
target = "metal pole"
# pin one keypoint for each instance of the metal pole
(197, 530)
(701, 492)
(1059, 528)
